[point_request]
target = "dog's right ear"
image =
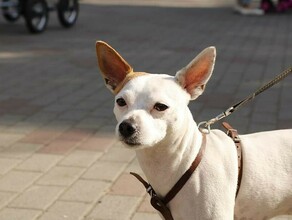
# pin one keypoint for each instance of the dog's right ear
(113, 67)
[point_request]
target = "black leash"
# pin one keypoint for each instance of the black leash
(205, 125)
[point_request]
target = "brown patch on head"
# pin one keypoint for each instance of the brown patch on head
(129, 77)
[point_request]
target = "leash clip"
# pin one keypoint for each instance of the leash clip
(205, 126)
(227, 112)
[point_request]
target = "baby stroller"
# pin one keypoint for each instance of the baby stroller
(36, 12)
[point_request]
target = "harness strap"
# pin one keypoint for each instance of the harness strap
(155, 201)
(231, 132)
(187, 175)
(160, 204)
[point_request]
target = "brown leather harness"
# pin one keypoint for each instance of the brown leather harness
(160, 204)
(231, 132)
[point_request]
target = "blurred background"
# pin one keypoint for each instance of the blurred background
(58, 155)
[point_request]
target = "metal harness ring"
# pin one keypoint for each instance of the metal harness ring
(204, 127)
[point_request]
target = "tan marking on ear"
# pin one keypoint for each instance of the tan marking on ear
(113, 67)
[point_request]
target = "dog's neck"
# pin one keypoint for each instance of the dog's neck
(166, 162)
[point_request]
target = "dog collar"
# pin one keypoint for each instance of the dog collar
(131, 75)
(160, 204)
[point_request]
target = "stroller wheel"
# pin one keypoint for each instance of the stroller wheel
(68, 12)
(11, 13)
(36, 15)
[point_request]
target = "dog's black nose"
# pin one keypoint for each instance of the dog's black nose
(127, 129)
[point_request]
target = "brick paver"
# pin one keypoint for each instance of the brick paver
(17, 181)
(17, 214)
(37, 197)
(39, 163)
(88, 191)
(114, 207)
(59, 158)
(61, 176)
(66, 210)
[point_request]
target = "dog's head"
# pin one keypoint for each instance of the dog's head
(150, 108)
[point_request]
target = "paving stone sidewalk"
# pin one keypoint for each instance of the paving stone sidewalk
(58, 155)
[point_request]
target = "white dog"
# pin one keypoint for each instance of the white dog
(154, 119)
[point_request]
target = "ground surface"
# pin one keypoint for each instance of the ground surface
(58, 156)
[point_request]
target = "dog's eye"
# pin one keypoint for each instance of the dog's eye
(160, 107)
(121, 102)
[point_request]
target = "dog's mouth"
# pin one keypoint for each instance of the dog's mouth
(130, 142)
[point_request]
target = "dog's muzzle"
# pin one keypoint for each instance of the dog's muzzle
(128, 131)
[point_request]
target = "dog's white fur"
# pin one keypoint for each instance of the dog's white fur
(166, 143)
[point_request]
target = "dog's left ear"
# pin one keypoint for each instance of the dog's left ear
(113, 67)
(194, 77)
